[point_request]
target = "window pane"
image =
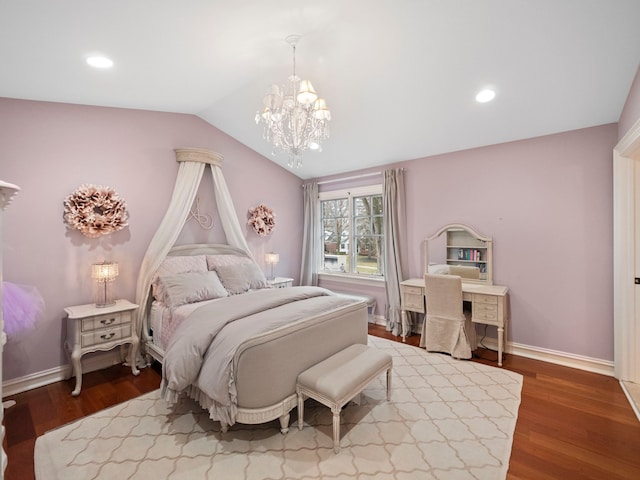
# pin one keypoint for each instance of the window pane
(369, 256)
(363, 226)
(361, 206)
(377, 205)
(377, 225)
(335, 208)
(335, 222)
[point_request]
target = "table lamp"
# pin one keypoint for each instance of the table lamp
(271, 259)
(104, 274)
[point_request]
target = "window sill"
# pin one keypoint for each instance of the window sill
(352, 279)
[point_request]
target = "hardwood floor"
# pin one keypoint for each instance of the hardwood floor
(571, 425)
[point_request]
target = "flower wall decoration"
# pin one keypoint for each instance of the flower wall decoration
(262, 219)
(95, 210)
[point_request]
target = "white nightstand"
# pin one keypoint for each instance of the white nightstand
(91, 328)
(280, 282)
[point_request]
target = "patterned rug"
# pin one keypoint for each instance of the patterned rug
(447, 419)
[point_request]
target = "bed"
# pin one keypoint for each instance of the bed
(251, 341)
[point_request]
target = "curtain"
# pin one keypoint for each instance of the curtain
(227, 212)
(395, 228)
(310, 236)
(184, 192)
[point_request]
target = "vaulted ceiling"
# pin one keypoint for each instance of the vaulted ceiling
(400, 76)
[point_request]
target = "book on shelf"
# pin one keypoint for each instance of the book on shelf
(470, 254)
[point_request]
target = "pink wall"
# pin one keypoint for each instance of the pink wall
(50, 149)
(547, 203)
(631, 111)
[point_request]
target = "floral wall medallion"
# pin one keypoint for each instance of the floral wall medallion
(262, 219)
(95, 210)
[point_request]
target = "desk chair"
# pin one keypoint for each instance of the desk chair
(446, 327)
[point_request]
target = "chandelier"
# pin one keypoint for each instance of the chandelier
(294, 118)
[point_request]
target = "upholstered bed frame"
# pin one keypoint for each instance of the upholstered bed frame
(261, 395)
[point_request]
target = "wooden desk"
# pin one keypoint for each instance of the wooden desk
(489, 305)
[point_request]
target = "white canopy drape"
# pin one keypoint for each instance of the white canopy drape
(193, 162)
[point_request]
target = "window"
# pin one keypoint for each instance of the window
(352, 231)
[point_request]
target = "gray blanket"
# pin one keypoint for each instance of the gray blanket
(198, 359)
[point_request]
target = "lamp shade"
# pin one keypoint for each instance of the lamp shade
(320, 110)
(104, 272)
(271, 258)
(306, 95)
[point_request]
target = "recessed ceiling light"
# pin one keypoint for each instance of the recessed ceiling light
(99, 61)
(485, 96)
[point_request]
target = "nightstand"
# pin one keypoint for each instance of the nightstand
(280, 282)
(91, 328)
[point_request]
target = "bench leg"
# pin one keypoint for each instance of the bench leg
(300, 411)
(388, 384)
(336, 428)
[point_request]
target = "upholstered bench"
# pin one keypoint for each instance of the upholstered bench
(370, 300)
(339, 378)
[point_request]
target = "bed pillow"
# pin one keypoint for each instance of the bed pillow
(172, 265)
(240, 278)
(191, 287)
(220, 260)
(439, 269)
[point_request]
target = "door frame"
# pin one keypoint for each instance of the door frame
(626, 159)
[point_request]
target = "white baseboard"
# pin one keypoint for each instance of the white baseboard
(589, 364)
(632, 392)
(97, 361)
(580, 362)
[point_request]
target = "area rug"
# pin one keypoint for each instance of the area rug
(447, 419)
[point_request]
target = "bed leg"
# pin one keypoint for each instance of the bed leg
(284, 423)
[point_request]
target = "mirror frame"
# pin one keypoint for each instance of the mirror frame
(489, 246)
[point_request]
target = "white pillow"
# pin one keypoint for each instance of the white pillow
(439, 269)
(240, 278)
(220, 260)
(191, 287)
(172, 265)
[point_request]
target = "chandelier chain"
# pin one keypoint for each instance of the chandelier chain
(294, 59)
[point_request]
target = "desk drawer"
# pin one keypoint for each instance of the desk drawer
(413, 299)
(412, 290)
(104, 321)
(485, 313)
(106, 335)
(485, 299)
(486, 310)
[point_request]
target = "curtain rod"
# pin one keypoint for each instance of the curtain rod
(354, 177)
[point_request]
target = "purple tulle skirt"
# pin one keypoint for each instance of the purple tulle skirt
(22, 307)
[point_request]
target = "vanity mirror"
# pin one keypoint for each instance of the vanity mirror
(458, 249)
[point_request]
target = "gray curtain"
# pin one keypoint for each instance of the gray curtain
(395, 229)
(310, 236)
